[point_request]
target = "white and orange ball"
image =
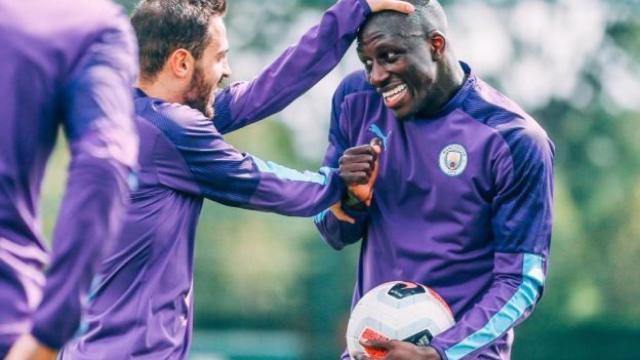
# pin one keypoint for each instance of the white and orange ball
(399, 310)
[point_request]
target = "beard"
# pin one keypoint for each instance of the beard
(200, 93)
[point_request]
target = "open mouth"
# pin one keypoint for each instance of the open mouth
(393, 96)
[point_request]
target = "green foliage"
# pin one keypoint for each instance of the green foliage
(256, 270)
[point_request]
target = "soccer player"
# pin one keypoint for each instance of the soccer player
(463, 199)
(65, 64)
(142, 303)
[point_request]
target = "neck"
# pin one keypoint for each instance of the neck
(160, 88)
(451, 78)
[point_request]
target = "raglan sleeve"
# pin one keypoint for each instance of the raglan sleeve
(334, 232)
(521, 224)
(99, 126)
(294, 72)
(212, 168)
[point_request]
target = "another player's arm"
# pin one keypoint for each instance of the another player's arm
(522, 231)
(104, 145)
(223, 174)
(299, 67)
(345, 222)
(337, 232)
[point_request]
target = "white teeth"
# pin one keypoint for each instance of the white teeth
(394, 91)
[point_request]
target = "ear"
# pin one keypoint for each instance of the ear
(180, 63)
(438, 44)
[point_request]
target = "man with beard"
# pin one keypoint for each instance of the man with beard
(68, 64)
(464, 196)
(142, 300)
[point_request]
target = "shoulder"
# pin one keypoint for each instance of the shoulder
(63, 21)
(355, 93)
(61, 35)
(519, 130)
(354, 83)
(181, 124)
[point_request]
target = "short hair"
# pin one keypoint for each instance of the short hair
(163, 26)
(428, 17)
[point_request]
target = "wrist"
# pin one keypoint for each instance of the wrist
(352, 202)
(434, 353)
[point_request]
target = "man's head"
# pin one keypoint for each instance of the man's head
(183, 49)
(407, 58)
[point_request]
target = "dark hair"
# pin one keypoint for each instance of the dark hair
(163, 26)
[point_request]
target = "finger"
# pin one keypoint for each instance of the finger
(337, 211)
(357, 167)
(376, 145)
(394, 5)
(376, 344)
(373, 175)
(361, 158)
(357, 150)
(368, 200)
(356, 178)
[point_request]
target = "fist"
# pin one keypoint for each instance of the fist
(359, 168)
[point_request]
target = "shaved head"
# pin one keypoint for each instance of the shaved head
(408, 59)
(428, 17)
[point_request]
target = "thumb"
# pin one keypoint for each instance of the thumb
(375, 143)
(337, 211)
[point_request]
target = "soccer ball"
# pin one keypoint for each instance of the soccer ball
(397, 310)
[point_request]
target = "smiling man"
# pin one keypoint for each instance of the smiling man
(463, 198)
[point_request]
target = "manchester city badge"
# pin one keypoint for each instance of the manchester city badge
(453, 159)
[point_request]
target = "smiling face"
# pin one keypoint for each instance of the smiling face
(210, 70)
(403, 64)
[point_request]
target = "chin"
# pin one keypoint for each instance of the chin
(402, 113)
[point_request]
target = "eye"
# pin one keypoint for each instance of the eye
(368, 63)
(390, 57)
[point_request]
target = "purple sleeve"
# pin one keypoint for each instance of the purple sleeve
(216, 170)
(294, 72)
(98, 120)
(337, 233)
(522, 233)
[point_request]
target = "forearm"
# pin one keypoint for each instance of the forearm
(517, 286)
(90, 217)
(289, 192)
(295, 71)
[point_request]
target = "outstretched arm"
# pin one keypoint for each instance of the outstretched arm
(300, 66)
(212, 168)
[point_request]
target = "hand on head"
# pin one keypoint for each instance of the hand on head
(395, 5)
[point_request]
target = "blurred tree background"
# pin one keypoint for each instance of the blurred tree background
(266, 287)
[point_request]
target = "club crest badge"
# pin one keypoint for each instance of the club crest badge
(453, 159)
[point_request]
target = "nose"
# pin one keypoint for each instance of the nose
(378, 75)
(227, 68)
